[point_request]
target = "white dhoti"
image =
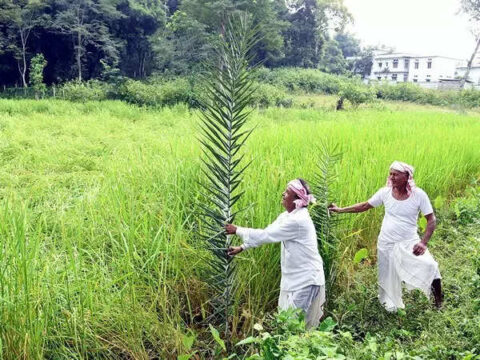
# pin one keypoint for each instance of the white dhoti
(398, 265)
(310, 299)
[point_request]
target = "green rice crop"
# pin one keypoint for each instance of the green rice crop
(98, 254)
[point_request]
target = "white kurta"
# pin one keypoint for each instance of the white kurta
(301, 263)
(396, 262)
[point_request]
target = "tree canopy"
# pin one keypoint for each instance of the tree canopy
(86, 39)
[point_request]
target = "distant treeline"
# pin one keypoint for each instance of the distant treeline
(103, 39)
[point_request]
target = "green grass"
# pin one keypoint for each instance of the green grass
(98, 255)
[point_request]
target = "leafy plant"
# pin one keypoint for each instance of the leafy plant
(288, 339)
(37, 65)
(229, 89)
(187, 341)
(325, 223)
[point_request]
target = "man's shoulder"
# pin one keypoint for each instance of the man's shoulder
(420, 192)
(384, 190)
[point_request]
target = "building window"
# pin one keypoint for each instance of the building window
(395, 63)
(429, 64)
(407, 63)
(427, 80)
(379, 78)
(379, 64)
(415, 80)
(394, 77)
(416, 64)
(405, 77)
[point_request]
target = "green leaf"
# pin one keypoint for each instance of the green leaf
(360, 255)
(216, 337)
(327, 325)
(184, 357)
(439, 202)
(188, 341)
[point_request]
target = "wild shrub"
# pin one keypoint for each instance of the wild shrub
(166, 93)
(355, 93)
(92, 90)
(37, 66)
(268, 95)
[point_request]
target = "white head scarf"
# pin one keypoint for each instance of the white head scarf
(405, 168)
(304, 198)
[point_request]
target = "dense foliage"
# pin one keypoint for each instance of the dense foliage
(87, 39)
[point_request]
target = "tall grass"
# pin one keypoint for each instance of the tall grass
(97, 257)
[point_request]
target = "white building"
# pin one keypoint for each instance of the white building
(473, 75)
(427, 71)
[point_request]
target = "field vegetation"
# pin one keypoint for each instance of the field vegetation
(100, 258)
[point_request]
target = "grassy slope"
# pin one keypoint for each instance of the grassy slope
(96, 208)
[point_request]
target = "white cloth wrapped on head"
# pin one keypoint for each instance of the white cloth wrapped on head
(405, 168)
(304, 198)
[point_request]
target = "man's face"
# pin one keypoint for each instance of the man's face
(288, 198)
(398, 178)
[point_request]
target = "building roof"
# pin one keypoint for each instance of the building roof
(473, 67)
(405, 55)
(454, 80)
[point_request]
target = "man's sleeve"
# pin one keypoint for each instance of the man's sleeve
(284, 230)
(377, 198)
(425, 204)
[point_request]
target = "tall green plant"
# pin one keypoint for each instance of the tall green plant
(37, 65)
(228, 91)
(323, 187)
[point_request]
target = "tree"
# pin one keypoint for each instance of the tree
(472, 9)
(332, 60)
(311, 21)
(21, 17)
(136, 29)
(87, 21)
(192, 31)
(37, 64)
(362, 63)
(349, 45)
(228, 88)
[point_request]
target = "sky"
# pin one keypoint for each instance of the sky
(423, 27)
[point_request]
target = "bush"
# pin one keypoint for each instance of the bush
(287, 339)
(402, 92)
(356, 94)
(469, 98)
(92, 90)
(269, 95)
(37, 65)
(166, 93)
(307, 80)
(467, 209)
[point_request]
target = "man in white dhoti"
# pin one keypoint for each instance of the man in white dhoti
(402, 256)
(303, 282)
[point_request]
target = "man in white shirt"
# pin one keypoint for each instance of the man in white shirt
(402, 256)
(303, 282)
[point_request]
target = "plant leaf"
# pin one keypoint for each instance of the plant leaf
(360, 255)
